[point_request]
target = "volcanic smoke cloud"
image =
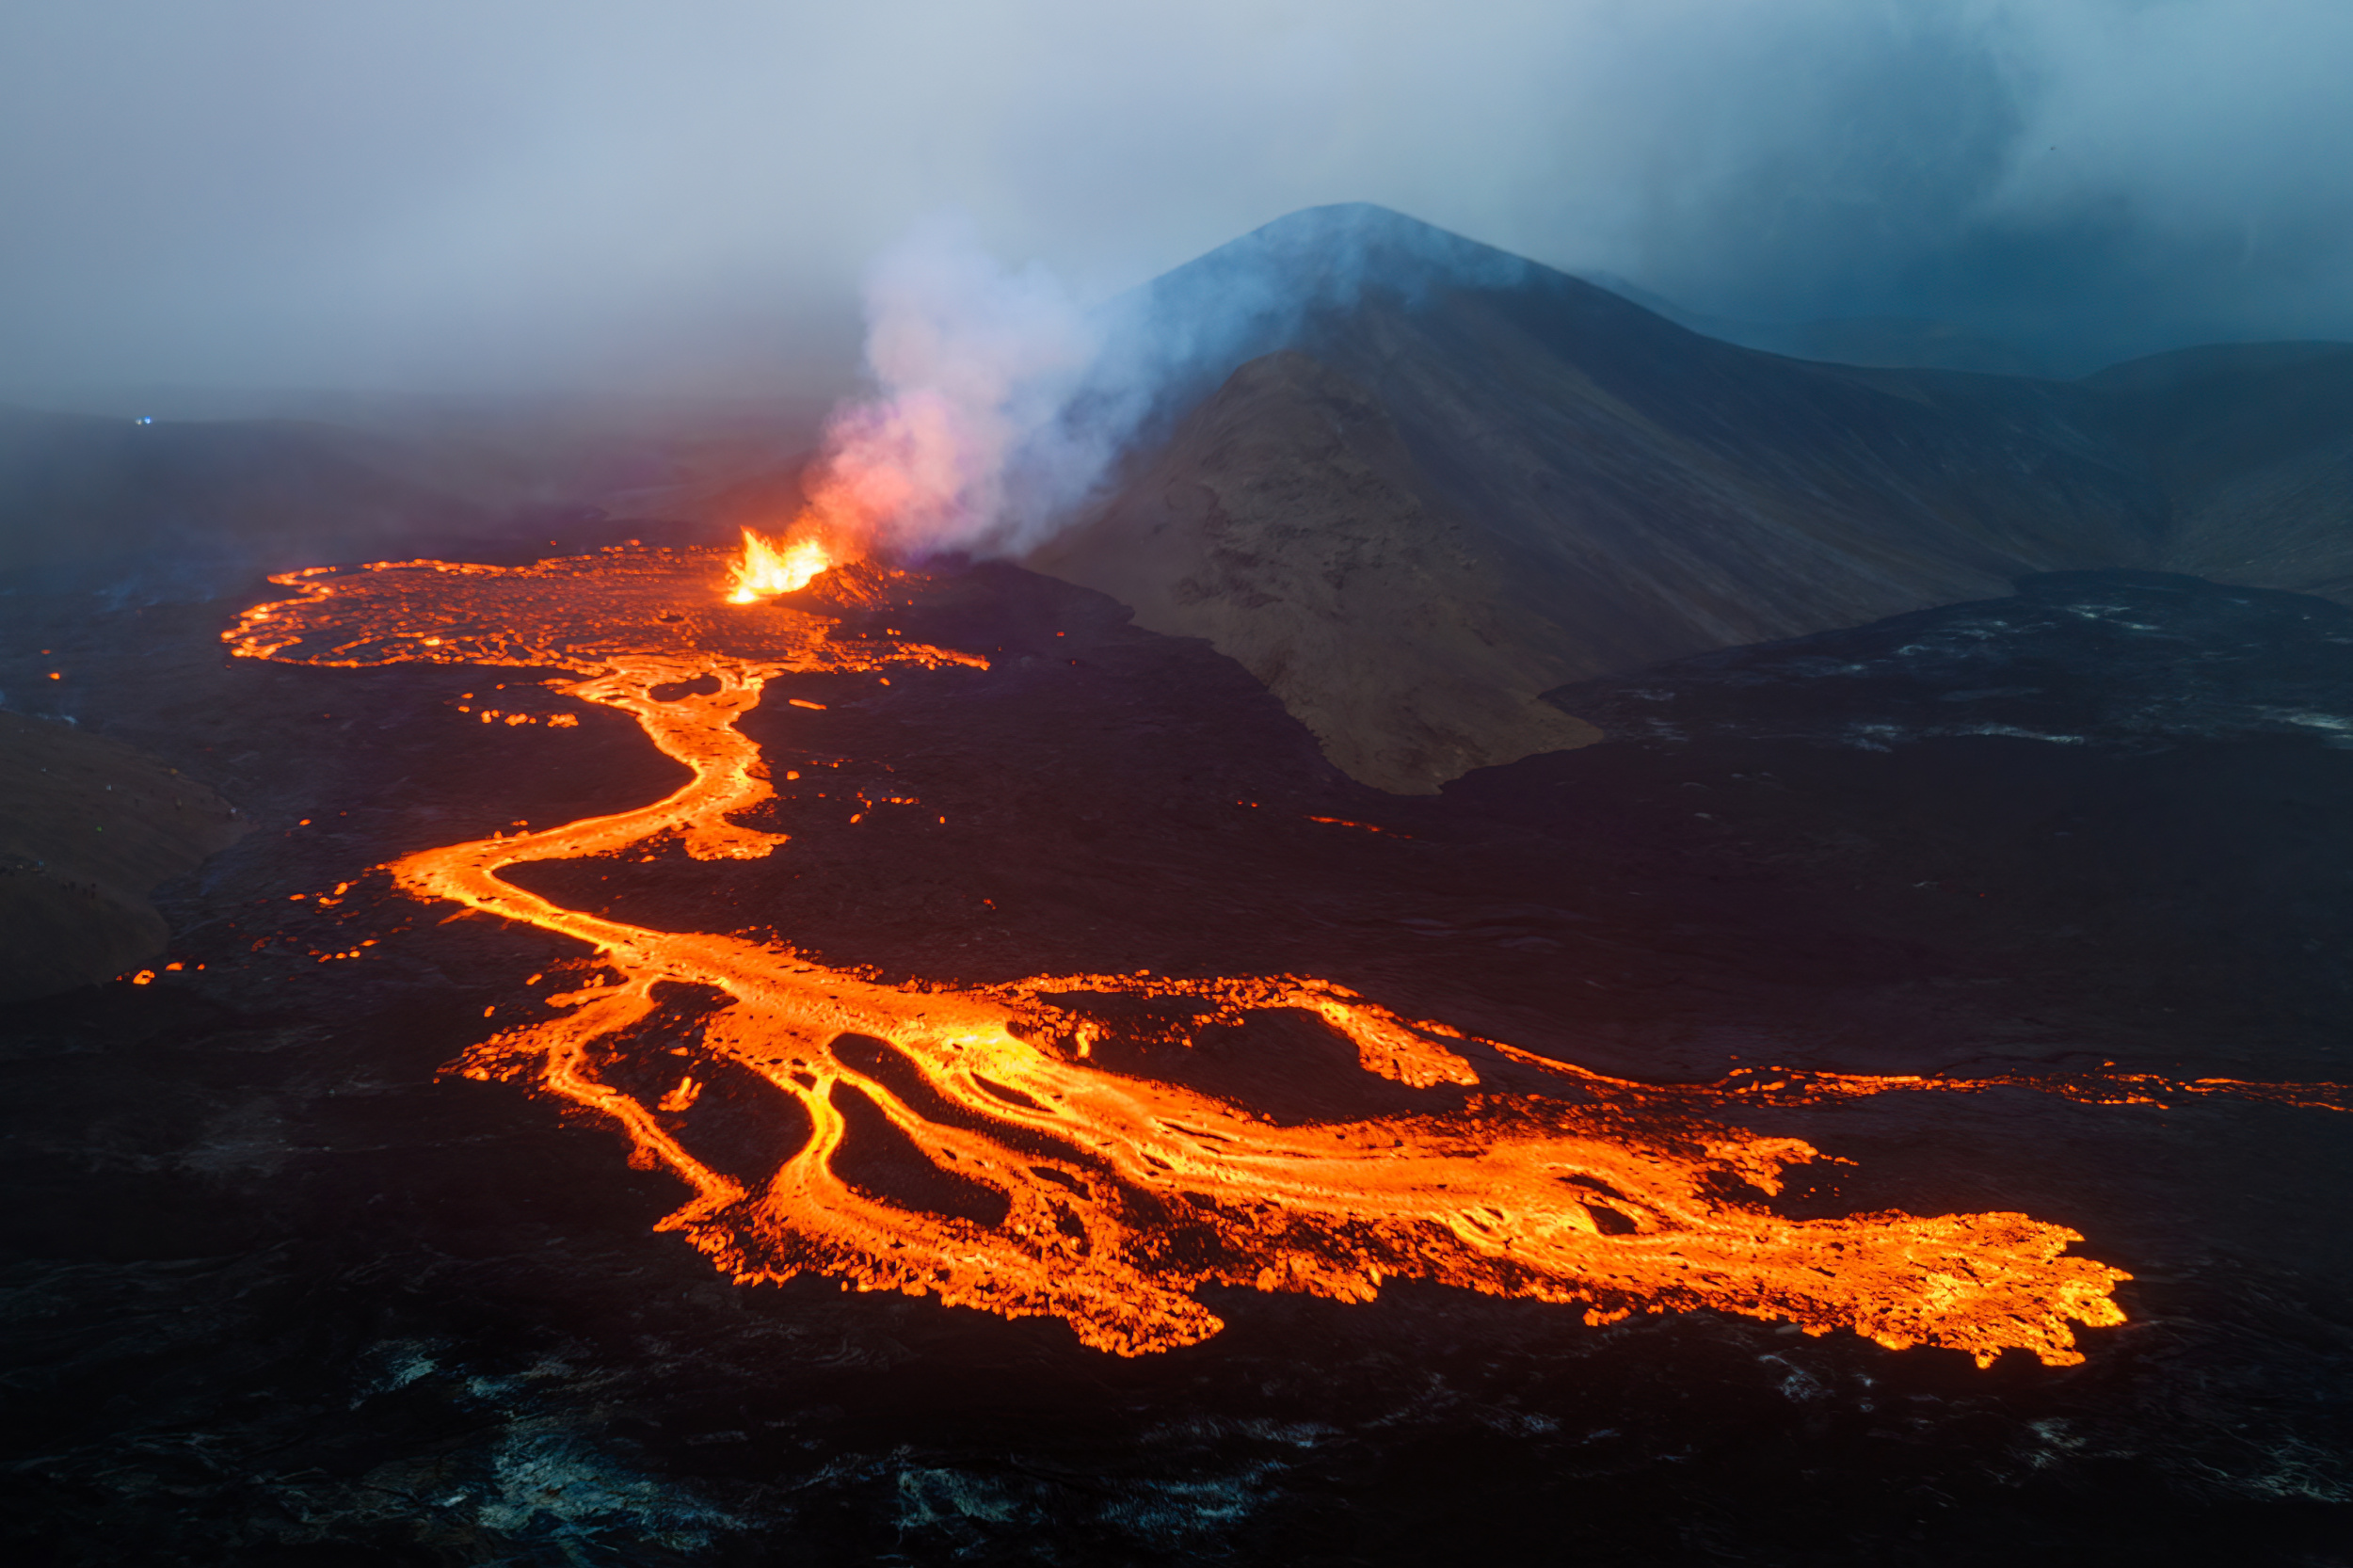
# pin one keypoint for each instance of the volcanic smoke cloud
(1001, 405)
(971, 443)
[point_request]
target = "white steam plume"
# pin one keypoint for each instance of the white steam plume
(970, 443)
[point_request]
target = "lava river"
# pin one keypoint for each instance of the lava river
(1112, 1198)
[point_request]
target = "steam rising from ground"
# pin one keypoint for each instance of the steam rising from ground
(972, 442)
(1000, 405)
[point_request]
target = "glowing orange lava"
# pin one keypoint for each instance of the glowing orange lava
(767, 567)
(1104, 1199)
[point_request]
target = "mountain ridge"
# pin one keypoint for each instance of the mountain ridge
(1626, 490)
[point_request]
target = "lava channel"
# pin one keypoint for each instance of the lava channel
(1108, 1200)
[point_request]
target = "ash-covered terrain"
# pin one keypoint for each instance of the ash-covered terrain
(282, 1291)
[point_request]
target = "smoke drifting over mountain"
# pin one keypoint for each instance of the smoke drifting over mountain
(970, 442)
(257, 192)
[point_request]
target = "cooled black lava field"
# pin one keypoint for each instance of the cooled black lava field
(282, 1291)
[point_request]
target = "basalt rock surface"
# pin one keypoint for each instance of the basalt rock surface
(278, 1292)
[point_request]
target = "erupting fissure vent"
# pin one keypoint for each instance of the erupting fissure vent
(1103, 1199)
(769, 567)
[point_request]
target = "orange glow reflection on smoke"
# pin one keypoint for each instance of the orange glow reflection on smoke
(1108, 1199)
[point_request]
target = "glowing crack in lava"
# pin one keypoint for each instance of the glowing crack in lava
(1110, 1198)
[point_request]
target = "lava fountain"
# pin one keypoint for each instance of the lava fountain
(1103, 1199)
(768, 566)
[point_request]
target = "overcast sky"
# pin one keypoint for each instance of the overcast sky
(681, 195)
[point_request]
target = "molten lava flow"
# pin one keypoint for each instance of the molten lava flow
(1103, 1199)
(769, 567)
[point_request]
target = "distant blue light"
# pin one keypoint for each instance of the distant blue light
(144, 419)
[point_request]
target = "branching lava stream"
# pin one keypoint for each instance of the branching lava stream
(1113, 1198)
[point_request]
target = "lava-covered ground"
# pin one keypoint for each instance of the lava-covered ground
(280, 1293)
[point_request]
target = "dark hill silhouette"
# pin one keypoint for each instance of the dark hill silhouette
(2253, 446)
(87, 501)
(1902, 343)
(1419, 481)
(189, 506)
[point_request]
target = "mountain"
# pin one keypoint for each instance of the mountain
(1412, 483)
(2252, 444)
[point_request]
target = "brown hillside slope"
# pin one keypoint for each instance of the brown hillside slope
(1288, 525)
(2253, 444)
(1443, 481)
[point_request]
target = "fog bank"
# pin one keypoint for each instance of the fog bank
(682, 200)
